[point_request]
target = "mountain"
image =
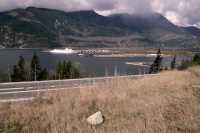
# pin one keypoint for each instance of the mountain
(38, 27)
(143, 23)
(193, 30)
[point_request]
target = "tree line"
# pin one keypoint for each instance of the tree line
(33, 71)
(186, 64)
(157, 67)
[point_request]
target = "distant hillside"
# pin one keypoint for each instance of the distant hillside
(38, 27)
(193, 30)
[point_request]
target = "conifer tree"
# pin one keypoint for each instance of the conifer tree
(173, 63)
(59, 71)
(64, 70)
(19, 72)
(196, 59)
(43, 75)
(69, 70)
(75, 72)
(156, 66)
(21, 67)
(15, 75)
(35, 68)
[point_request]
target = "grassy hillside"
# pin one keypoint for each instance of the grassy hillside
(168, 103)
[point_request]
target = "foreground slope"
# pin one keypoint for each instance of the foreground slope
(167, 103)
(39, 27)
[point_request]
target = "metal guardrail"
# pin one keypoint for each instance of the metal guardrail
(81, 79)
(24, 91)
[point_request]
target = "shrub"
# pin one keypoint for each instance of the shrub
(186, 64)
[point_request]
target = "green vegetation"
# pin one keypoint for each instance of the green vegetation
(19, 72)
(173, 63)
(67, 70)
(36, 27)
(34, 71)
(186, 64)
(156, 66)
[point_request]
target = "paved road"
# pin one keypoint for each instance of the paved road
(28, 90)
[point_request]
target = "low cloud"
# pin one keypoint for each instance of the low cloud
(181, 12)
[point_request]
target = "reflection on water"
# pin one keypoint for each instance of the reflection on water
(62, 51)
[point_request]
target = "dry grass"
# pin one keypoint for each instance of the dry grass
(169, 103)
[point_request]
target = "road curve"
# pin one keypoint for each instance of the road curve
(22, 91)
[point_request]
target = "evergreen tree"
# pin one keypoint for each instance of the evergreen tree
(75, 72)
(59, 71)
(19, 72)
(173, 63)
(35, 68)
(64, 70)
(43, 75)
(196, 59)
(69, 70)
(21, 67)
(156, 66)
(15, 76)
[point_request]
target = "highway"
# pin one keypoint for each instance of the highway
(23, 91)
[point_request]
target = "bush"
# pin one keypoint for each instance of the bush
(186, 64)
(196, 59)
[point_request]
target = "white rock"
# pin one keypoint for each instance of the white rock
(95, 119)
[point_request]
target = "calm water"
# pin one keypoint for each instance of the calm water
(89, 66)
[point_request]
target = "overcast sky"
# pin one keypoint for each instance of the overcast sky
(180, 12)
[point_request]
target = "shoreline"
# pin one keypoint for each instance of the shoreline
(129, 55)
(112, 52)
(137, 64)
